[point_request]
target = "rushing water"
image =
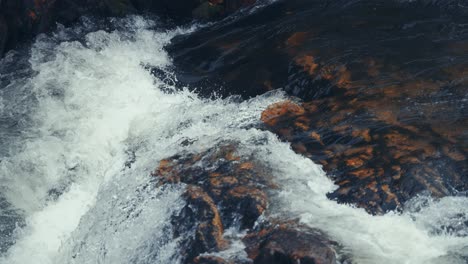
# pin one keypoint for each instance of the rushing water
(86, 123)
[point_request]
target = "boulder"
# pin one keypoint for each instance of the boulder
(376, 166)
(380, 110)
(225, 190)
(236, 184)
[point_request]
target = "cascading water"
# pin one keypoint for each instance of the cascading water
(84, 128)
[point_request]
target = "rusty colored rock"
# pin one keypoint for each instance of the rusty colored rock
(229, 190)
(237, 183)
(308, 64)
(297, 39)
(385, 122)
(202, 216)
(211, 229)
(376, 168)
(281, 110)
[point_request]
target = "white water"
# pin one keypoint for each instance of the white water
(92, 104)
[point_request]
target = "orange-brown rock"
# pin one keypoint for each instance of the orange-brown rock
(229, 190)
(379, 90)
(201, 217)
(236, 183)
(281, 111)
(210, 229)
(397, 161)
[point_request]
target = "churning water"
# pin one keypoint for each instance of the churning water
(84, 123)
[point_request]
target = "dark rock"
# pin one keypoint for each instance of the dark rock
(377, 166)
(201, 215)
(3, 34)
(236, 184)
(25, 19)
(225, 190)
(288, 243)
(383, 112)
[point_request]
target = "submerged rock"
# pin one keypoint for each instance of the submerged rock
(383, 95)
(227, 191)
(376, 166)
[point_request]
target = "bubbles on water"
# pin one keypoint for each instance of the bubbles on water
(100, 124)
(414, 236)
(128, 224)
(87, 91)
(96, 123)
(444, 216)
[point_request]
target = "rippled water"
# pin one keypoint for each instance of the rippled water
(85, 125)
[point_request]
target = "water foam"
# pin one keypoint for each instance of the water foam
(415, 236)
(99, 125)
(99, 122)
(87, 96)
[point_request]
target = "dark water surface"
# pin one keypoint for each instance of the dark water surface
(384, 84)
(370, 147)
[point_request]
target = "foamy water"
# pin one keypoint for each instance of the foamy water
(94, 125)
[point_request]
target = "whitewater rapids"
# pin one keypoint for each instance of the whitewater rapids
(84, 123)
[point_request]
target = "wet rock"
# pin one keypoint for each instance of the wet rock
(386, 122)
(289, 243)
(225, 190)
(201, 216)
(377, 167)
(236, 184)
